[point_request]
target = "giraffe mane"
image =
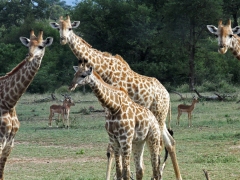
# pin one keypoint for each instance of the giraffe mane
(106, 84)
(117, 56)
(14, 70)
(122, 60)
(85, 42)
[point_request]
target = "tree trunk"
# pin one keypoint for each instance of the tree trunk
(191, 68)
(192, 51)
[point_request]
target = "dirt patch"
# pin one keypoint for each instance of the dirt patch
(23, 160)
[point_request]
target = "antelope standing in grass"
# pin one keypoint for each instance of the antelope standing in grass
(188, 109)
(62, 110)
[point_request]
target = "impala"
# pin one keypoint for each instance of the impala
(62, 110)
(188, 109)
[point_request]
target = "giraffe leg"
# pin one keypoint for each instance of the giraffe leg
(118, 164)
(126, 167)
(117, 154)
(5, 152)
(138, 149)
(170, 145)
(154, 146)
(110, 155)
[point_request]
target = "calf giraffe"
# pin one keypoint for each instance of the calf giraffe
(146, 91)
(128, 125)
(12, 86)
(227, 38)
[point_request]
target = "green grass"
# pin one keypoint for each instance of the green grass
(79, 153)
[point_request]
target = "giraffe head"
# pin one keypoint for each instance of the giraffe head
(81, 77)
(65, 28)
(224, 33)
(36, 44)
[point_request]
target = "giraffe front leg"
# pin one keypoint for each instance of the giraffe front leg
(110, 154)
(117, 154)
(126, 167)
(118, 163)
(138, 149)
(5, 152)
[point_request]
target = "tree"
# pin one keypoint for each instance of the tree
(187, 22)
(231, 8)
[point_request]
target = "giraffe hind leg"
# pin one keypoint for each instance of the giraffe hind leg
(170, 145)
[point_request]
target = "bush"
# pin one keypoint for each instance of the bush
(62, 90)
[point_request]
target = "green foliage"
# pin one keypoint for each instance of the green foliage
(213, 158)
(62, 90)
(85, 111)
(163, 39)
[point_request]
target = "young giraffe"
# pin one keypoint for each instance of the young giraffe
(146, 91)
(12, 86)
(227, 38)
(128, 125)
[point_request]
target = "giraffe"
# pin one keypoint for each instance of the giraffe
(114, 70)
(227, 37)
(128, 124)
(12, 86)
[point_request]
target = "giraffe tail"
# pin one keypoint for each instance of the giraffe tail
(166, 154)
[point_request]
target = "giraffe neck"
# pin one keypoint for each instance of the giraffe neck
(80, 48)
(108, 96)
(15, 83)
(105, 64)
(235, 46)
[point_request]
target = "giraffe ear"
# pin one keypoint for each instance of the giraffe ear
(75, 68)
(48, 41)
(54, 25)
(75, 24)
(25, 41)
(212, 29)
(236, 30)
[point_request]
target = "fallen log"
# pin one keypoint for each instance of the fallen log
(216, 96)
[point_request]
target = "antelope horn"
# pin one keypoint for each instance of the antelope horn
(32, 35)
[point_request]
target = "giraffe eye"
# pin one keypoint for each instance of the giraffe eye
(40, 47)
(70, 29)
(231, 35)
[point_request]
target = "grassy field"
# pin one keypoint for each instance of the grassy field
(79, 153)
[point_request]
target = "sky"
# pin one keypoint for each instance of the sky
(70, 2)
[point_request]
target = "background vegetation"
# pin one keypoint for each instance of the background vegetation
(167, 39)
(43, 153)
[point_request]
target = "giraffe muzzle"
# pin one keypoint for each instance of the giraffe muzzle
(222, 49)
(63, 40)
